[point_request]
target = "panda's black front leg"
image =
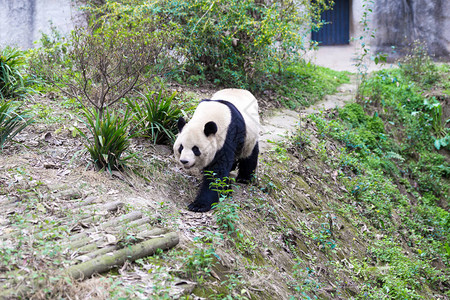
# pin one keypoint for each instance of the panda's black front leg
(206, 196)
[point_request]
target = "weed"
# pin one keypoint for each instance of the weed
(226, 214)
(300, 140)
(280, 152)
(226, 210)
(235, 286)
(305, 279)
(442, 134)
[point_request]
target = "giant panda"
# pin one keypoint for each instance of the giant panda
(222, 135)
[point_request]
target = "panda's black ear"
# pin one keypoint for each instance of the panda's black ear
(210, 128)
(181, 123)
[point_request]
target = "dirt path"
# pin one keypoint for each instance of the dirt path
(282, 122)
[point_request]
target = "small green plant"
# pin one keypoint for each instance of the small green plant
(324, 238)
(236, 288)
(225, 210)
(12, 83)
(442, 138)
(156, 115)
(12, 121)
(280, 151)
(226, 213)
(110, 138)
(418, 65)
(305, 279)
(300, 140)
(367, 34)
(198, 264)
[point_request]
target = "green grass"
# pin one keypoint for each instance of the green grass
(399, 184)
(303, 84)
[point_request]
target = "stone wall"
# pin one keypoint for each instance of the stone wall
(401, 22)
(23, 21)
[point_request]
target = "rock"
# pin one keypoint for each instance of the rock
(400, 22)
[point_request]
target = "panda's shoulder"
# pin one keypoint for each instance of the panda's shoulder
(211, 110)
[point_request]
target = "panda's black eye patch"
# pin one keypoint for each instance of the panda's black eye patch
(196, 151)
(180, 148)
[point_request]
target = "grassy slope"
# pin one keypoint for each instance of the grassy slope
(330, 216)
(301, 85)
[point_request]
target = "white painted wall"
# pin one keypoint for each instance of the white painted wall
(23, 21)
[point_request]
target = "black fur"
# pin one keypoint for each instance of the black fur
(181, 123)
(210, 128)
(247, 166)
(224, 161)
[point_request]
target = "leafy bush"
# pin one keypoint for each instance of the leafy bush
(12, 121)
(422, 123)
(51, 54)
(156, 115)
(110, 138)
(235, 42)
(12, 82)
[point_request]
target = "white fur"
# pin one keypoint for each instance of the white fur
(247, 105)
(193, 132)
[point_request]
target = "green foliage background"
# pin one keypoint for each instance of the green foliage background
(237, 42)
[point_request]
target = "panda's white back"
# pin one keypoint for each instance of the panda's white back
(247, 105)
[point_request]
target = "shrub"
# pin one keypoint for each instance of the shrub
(367, 132)
(122, 48)
(11, 78)
(235, 42)
(110, 138)
(156, 114)
(12, 121)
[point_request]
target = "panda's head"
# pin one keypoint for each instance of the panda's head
(196, 144)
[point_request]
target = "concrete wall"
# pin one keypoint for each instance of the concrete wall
(23, 21)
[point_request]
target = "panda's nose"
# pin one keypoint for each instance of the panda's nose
(184, 161)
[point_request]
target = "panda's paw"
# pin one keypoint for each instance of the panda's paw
(243, 180)
(196, 207)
